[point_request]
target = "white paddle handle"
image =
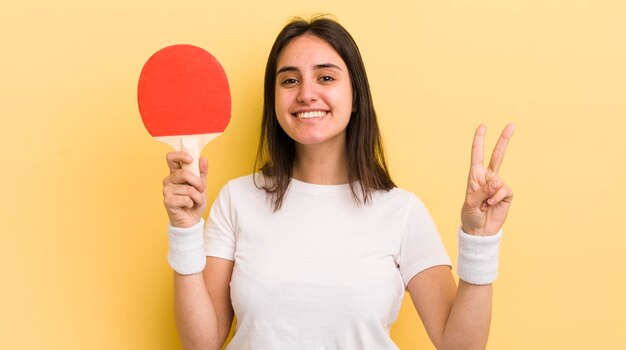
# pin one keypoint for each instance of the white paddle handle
(189, 144)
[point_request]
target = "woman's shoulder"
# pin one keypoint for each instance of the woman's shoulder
(241, 180)
(246, 184)
(399, 194)
(401, 199)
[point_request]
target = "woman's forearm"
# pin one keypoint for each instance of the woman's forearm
(468, 324)
(196, 318)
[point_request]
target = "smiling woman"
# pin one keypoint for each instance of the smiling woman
(317, 249)
(314, 99)
(316, 67)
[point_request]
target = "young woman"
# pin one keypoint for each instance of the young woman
(316, 250)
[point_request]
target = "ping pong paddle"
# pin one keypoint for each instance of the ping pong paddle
(184, 99)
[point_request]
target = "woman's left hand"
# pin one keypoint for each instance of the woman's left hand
(488, 198)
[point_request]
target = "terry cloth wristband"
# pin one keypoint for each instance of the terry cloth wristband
(186, 254)
(478, 257)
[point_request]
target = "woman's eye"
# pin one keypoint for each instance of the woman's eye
(327, 78)
(289, 81)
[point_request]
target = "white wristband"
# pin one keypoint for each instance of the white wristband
(186, 254)
(478, 257)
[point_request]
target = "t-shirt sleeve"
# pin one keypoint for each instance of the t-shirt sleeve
(219, 232)
(421, 246)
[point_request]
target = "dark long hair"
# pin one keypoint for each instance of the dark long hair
(367, 168)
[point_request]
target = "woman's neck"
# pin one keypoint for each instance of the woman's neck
(321, 164)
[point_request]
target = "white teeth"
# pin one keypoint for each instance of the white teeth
(309, 115)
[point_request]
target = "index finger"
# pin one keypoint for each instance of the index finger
(174, 159)
(498, 152)
(478, 145)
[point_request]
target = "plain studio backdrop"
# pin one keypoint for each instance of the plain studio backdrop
(83, 248)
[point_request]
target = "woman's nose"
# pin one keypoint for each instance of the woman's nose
(307, 92)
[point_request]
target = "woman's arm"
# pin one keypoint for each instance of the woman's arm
(201, 295)
(454, 318)
(459, 318)
(202, 305)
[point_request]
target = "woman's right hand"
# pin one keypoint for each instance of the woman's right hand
(184, 194)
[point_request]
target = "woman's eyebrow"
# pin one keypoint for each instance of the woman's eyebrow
(317, 66)
(327, 65)
(287, 69)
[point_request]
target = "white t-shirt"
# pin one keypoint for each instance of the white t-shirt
(322, 272)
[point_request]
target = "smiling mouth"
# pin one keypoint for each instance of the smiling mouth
(310, 115)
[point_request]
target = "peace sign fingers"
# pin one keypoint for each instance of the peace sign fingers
(478, 146)
(498, 152)
(488, 198)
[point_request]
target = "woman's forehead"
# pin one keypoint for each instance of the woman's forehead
(309, 51)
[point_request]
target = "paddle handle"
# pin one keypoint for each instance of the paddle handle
(189, 144)
(192, 144)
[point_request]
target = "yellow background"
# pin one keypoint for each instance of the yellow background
(83, 246)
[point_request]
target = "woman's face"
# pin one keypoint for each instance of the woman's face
(313, 92)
